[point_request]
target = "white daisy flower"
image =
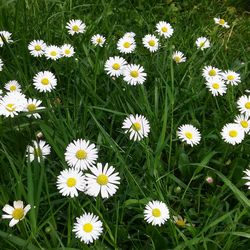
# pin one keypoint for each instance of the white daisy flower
(126, 45)
(52, 52)
(244, 105)
(31, 106)
(231, 77)
(137, 126)
(209, 72)
(129, 35)
(156, 213)
(44, 81)
(247, 177)
(243, 121)
(81, 154)
(202, 43)
(67, 50)
(134, 74)
(114, 66)
(88, 228)
(37, 48)
(164, 29)
(233, 133)
(13, 86)
(15, 213)
(70, 181)
(102, 180)
(98, 40)
(179, 57)
(75, 27)
(38, 150)
(6, 36)
(1, 64)
(216, 86)
(151, 42)
(189, 134)
(221, 22)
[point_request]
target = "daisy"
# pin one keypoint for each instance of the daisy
(134, 74)
(88, 228)
(189, 134)
(231, 77)
(114, 66)
(15, 213)
(98, 40)
(247, 177)
(37, 48)
(244, 105)
(31, 106)
(1, 64)
(243, 121)
(216, 86)
(67, 50)
(70, 181)
(232, 133)
(126, 45)
(13, 86)
(75, 27)
(164, 29)
(138, 127)
(151, 42)
(202, 43)
(44, 81)
(6, 37)
(209, 72)
(179, 57)
(221, 22)
(52, 52)
(180, 222)
(81, 154)
(156, 213)
(102, 180)
(38, 150)
(129, 35)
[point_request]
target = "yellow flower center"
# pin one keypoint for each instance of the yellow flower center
(45, 81)
(151, 43)
(38, 48)
(244, 124)
(247, 105)
(53, 53)
(18, 213)
(136, 126)
(10, 107)
(71, 182)
(233, 133)
(222, 21)
(180, 223)
(189, 135)
(102, 179)
(164, 29)
(134, 73)
(202, 44)
(81, 154)
(116, 66)
(212, 72)
(12, 88)
(216, 85)
(75, 28)
(127, 45)
(156, 212)
(31, 107)
(230, 77)
(177, 59)
(67, 51)
(88, 227)
(99, 40)
(38, 152)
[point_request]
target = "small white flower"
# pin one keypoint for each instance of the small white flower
(134, 74)
(31, 106)
(233, 133)
(209, 72)
(179, 57)
(247, 177)
(189, 134)
(98, 40)
(231, 77)
(126, 45)
(216, 86)
(52, 52)
(221, 22)
(37, 48)
(129, 35)
(6, 36)
(67, 50)
(202, 43)
(75, 27)
(44, 81)
(38, 150)
(13, 86)
(151, 42)
(1, 64)
(164, 29)
(114, 66)
(244, 105)
(243, 121)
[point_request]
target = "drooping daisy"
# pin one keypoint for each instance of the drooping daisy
(75, 27)
(247, 177)
(31, 106)
(180, 222)
(81, 154)
(216, 86)
(103, 180)
(98, 40)
(88, 228)
(44, 81)
(209, 72)
(38, 150)
(221, 22)
(114, 66)
(37, 48)
(189, 134)
(129, 35)
(164, 29)
(137, 126)
(15, 213)
(70, 181)
(233, 133)
(67, 50)
(1, 64)
(231, 77)
(243, 121)
(244, 105)
(13, 86)
(52, 52)
(202, 43)
(134, 74)
(126, 45)
(156, 213)
(151, 42)
(6, 36)
(179, 57)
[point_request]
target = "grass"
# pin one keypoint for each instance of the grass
(89, 104)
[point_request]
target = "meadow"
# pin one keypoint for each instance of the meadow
(81, 117)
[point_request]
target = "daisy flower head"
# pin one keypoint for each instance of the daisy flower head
(202, 43)
(103, 180)
(38, 150)
(151, 42)
(37, 48)
(231, 77)
(247, 177)
(137, 126)
(134, 74)
(156, 213)
(13, 86)
(5, 36)
(52, 52)
(114, 66)
(70, 181)
(164, 29)
(75, 27)
(221, 22)
(233, 133)
(209, 72)
(243, 121)
(180, 222)
(216, 86)
(1, 64)
(244, 105)
(81, 154)
(88, 228)
(44, 81)
(189, 134)
(126, 45)
(178, 57)
(67, 50)
(31, 106)
(129, 35)
(98, 40)
(15, 213)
